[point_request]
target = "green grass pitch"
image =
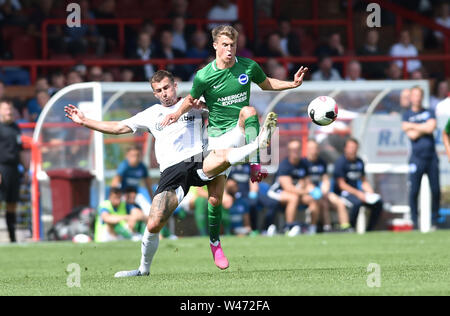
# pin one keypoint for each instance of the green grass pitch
(333, 264)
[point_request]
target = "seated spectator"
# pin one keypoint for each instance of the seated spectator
(179, 34)
(242, 49)
(132, 171)
(417, 74)
(443, 19)
(35, 106)
(95, 74)
(57, 82)
(279, 73)
(224, 10)
(332, 47)
(198, 48)
(166, 51)
(373, 70)
(394, 72)
(354, 71)
(144, 51)
(14, 76)
(352, 186)
(326, 71)
(116, 219)
(239, 212)
(73, 77)
(321, 191)
(107, 77)
(441, 90)
(404, 48)
(272, 46)
(127, 75)
(289, 40)
(290, 189)
(107, 10)
(80, 39)
(9, 10)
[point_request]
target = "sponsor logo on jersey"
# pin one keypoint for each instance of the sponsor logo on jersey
(243, 79)
(233, 99)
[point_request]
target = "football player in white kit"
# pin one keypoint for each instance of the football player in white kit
(179, 151)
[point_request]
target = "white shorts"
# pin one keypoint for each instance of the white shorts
(231, 139)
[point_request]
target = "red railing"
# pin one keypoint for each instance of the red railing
(34, 65)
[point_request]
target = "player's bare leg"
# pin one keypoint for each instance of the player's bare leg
(163, 206)
(341, 209)
(220, 160)
(215, 195)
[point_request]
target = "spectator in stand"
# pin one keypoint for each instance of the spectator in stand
(242, 49)
(198, 49)
(326, 70)
(95, 74)
(33, 104)
(394, 72)
(443, 19)
(73, 77)
(179, 8)
(352, 186)
(405, 48)
(354, 71)
(417, 74)
(272, 46)
(9, 12)
(441, 90)
(289, 40)
(333, 47)
(144, 51)
(127, 75)
(372, 70)
(179, 34)
(166, 51)
(224, 10)
(80, 39)
(107, 10)
(35, 109)
(107, 77)
(45, 10)
(58, 81)
(279, 73)
(419, 125)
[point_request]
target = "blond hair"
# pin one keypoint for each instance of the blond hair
(226, 30)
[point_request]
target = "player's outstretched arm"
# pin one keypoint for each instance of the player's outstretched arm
(188, 103)
(78, 117)
(271, 84)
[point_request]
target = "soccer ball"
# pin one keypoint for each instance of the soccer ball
(323, 110)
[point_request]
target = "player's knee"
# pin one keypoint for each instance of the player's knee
(248, 111)
(154, 226)
(214, 201)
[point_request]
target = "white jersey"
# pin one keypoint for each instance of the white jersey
(176, 142)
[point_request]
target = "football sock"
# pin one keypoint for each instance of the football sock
(214, 220)
(11, 224)
(150, 243)
(200, 210)
(251, 132)
(237, 155)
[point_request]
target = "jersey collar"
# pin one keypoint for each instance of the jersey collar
(214, 64)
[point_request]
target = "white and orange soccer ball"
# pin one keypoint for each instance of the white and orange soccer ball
(323, 110)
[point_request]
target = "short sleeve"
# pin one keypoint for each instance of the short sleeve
(258, 75)
(144, 171)
(432, 114)
(339, 169)
(139, 122)
(405, 117)
(447, 127)
(122, 168)
(285, 169)
(198, 87)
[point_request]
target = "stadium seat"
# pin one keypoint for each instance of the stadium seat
(24, 47)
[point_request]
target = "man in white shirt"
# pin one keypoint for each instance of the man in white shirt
(443, 107)
(179, 150)
(224, 10)
(404, 48)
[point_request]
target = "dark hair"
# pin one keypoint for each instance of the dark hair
(131, 189)
(115, 190)
(133, 147)
(160, 75)
(7, 101)
(352, 139)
